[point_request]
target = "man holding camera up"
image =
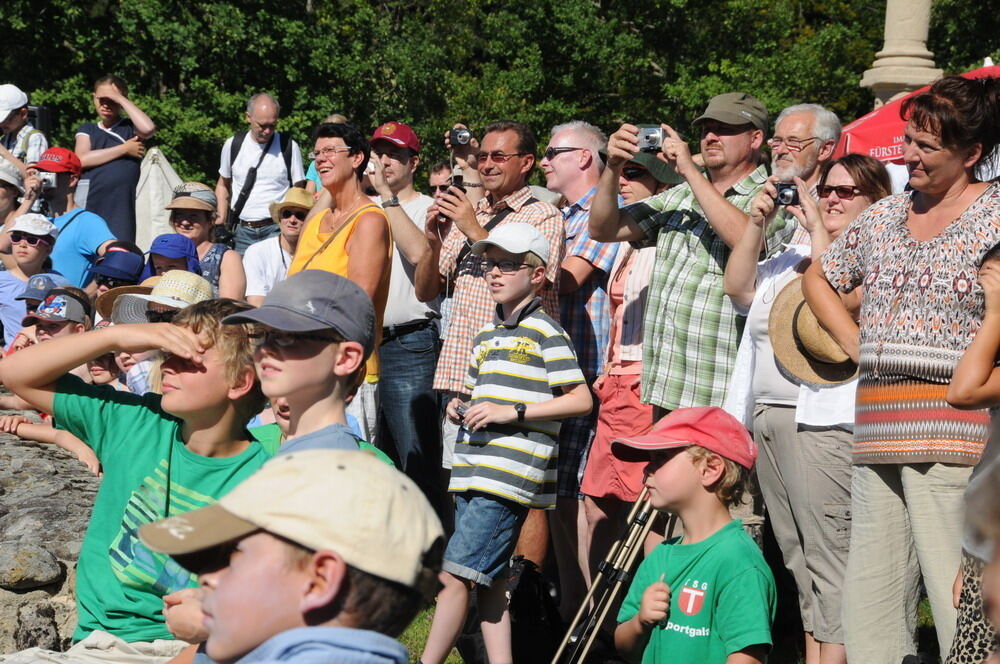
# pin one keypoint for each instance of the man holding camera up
(691, 330)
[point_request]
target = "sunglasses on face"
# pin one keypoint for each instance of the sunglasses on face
(844, 192)
(634, 172)
(497, 157)
(440, 188)
(550, 153)
(32, 240)
(506, 267)
(160, 316)
(298, 214)
(112, 282)
(285, 340)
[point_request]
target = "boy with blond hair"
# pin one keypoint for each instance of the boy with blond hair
(707, 597)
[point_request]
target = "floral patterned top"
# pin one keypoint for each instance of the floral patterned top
(923, 304)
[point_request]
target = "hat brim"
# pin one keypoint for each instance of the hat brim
(189, 203)
(280, 318)
(106, 300)
(276, 207)
(790, 356)
(132, 308)
(32, 319)
(640, 446)
(727, 117)
(194, 531)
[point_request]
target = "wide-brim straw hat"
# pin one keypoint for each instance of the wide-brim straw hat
(296, 197)
(176, 289)
(106, 300)
(804, 351)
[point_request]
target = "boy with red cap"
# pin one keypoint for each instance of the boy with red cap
(708, 596)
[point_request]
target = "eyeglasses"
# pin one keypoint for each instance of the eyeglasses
(634, 172)
(283, 340)
(440, 188)
(112, 282)
(793, 144)
(497, 157)
(18, 236)
(327, 153)
(506, 267)
(160, 316)
(298, 214)
(550, 153)
(844, 192)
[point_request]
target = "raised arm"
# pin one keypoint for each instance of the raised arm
(976, 381)
(409, 240)
(830, 310)
(740, 279)
(608, 222)
(427, 279)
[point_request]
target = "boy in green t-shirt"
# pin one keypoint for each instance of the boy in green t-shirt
(706, 598)
(162, 456)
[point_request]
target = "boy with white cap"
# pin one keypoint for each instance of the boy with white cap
(320, 556)
(19, 138)
(523, 378)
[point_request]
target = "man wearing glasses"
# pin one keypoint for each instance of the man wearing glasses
(691, 330)
(258, 166)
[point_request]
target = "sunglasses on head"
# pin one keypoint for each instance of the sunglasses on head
(634, 172)
(32, 240)
(289, 212)
(112, 282)
(844, 192)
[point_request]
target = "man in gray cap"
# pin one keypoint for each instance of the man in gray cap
(691, 330)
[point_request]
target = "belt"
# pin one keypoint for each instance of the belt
(391, 332)
(258, 223)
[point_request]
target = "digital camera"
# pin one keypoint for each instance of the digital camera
(788, 193)
(48, 179)
(459, 137)
(650, 139)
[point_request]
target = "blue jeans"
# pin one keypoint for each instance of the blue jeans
(246, 236)
(486, 531)
(409, 425)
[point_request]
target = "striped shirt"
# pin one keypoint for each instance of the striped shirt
(691, 331)
(523, 359)
(472, 305)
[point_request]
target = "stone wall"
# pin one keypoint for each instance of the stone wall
(45, 500)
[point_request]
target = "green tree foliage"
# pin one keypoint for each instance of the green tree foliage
(191, 65)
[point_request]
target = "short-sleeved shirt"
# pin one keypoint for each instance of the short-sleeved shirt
(11, 310)
(266, 263)
(691, 331)
(273, 179)
(722, 598)
(27, 144)
(472, 305)
(81, 234)
(403, 307)
(149, 474)
(585, 313)
(110, 187)
(523, 359)
(332, 437)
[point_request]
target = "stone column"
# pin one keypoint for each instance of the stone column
(904, 63)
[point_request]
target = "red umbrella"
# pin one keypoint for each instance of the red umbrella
(880, 133)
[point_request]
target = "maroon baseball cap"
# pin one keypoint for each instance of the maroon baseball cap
(59, 160)
(705, 426)
(399, 134)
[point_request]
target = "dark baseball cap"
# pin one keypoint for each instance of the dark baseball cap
(661, 171)
(122, 265)
(736, 108)
(316, 300)
(59, 306)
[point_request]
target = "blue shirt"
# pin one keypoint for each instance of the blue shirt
(323, 645)
(11, 310)
(81, 234)
(333, 437)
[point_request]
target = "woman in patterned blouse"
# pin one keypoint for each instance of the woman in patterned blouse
(917, 256)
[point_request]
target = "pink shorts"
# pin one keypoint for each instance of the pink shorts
(621, 415)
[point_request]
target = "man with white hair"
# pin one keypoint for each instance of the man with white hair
(572, 165)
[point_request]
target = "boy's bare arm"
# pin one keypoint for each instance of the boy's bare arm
(631, 639)
(46, 433)
(632, 635)
(574, 401)
(31, 373)
(749, 655)
(14, 402)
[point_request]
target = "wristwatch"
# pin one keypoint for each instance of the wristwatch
(520, 409)
(393, 201)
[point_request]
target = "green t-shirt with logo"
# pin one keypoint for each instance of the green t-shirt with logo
(149, 474)
(722, 598)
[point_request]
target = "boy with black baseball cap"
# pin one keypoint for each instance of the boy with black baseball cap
(707, 597)
(316, 329)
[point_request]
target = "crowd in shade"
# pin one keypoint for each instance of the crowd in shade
(338, 394)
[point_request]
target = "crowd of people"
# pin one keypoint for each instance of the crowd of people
(327, 398)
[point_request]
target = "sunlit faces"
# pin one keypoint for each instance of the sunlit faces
(505, 174)
(45, 330)
(398, 163)
(837, 212)
(334, 161)
(263, 121)
(28, 249)
(162, 264)
(255, 595)
(290, 221)
(636, 183)
(794, 147)
(933, 167)
(439, 182)
(193, 224)
(725, 145)
(563, 167)
(672, 476)
(301, 366)
(509, 279)
(190, 388)
(103, 369)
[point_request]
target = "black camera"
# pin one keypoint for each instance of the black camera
(650, 139)
(459, 137)
(788, 193)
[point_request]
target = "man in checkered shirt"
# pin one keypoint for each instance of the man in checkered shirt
(691, 329)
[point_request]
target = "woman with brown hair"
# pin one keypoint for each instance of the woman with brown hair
(917, 255)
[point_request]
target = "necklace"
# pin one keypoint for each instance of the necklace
(345, 214)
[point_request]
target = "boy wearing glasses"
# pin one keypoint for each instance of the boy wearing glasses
(162, 455)
(266, 262)
(523, 378)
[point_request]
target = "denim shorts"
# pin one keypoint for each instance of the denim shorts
(486, 529)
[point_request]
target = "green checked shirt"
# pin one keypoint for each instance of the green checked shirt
(691, 331)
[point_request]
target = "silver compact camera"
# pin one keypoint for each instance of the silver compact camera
(47, 179)
(459, 137)
(788, 193)
(650, 139)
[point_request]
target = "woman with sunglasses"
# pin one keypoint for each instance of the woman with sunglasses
(266, 262)
(31, 237)
(917, 255)
(192, 214)
(804, 432)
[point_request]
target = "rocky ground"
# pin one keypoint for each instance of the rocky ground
(45, 500)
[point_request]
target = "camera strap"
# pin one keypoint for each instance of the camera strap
(489, 226)
(248, 182)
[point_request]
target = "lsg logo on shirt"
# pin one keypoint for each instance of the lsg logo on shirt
(692, 598)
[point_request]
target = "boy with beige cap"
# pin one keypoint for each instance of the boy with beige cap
(320, 556)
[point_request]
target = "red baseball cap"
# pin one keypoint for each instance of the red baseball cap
(705, 426)
(59, 160)
(399, 134)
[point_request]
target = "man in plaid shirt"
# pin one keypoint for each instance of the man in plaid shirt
(691, 330)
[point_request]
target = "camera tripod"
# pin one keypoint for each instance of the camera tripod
(613, 573)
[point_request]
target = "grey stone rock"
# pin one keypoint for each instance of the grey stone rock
(36, 626)
(24, 566)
